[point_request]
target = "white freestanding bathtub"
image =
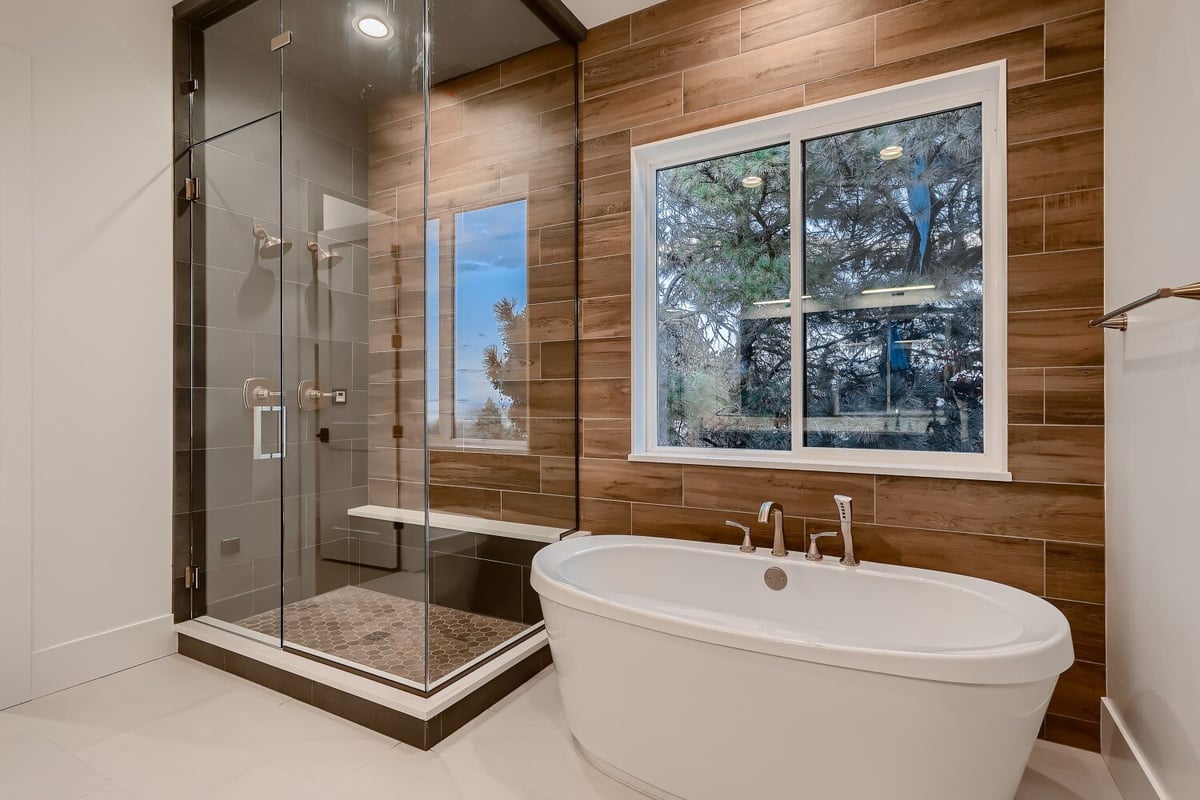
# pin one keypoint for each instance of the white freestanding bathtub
(685, 676)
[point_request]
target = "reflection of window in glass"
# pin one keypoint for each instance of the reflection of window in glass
(490, 296)
(862, 333)
(724, 326)
(893, 267)
(433, 324)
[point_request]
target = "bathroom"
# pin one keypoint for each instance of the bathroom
(432, 366)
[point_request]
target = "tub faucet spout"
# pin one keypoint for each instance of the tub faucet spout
(764, 513)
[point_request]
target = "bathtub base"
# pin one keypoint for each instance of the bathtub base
(623, 777)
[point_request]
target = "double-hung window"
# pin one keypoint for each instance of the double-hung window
(825, 288)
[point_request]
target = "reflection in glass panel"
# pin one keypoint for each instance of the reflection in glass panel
(893, 277)
(490, 320)
(724, 319)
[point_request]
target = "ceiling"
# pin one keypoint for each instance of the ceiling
(595, 12)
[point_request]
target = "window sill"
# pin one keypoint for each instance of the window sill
(965, 473)
(515, 446)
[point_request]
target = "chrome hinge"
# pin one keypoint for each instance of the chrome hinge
(190, 86)
(281, 41)
(191, 577)
(191, 189)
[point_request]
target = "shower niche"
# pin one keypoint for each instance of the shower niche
(375, 329)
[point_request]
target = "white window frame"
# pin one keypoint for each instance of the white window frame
(984, 85)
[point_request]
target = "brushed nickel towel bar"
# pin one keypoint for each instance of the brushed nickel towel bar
(1119, 319)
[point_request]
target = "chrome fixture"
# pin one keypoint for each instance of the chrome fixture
(1118, 320)
(775, 578)
(845, 506)
(272, 246)
(747, 545)
(814, 552)
(257, 392)
(310, 397)
(779, 548)
(327, 257)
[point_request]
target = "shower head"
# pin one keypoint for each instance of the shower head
(324, 257)
(272, 246)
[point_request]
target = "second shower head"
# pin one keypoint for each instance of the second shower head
(272, 246)
(324, 257)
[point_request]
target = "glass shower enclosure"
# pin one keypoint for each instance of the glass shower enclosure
(376, 326)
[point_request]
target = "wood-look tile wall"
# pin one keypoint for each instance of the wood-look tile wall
(497, 135)
(686, 65)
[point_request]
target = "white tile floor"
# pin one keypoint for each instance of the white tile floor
(174, 728)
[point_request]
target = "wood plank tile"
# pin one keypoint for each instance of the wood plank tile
(604, 398)
(1075, 220)
(552, 437)
(1078, 692)
(484, 470)
(1008, 560)
(1040, 511)
(552, 206)
(481, 148)
(1026, 396)
(536, 62)
(628, 108)
(1056, 453)
(802, 494)
(729, 113)
(618, 479)
(1026, 226)
(702, 525)
(607, 275)
(558, 475)
(1072, 732)
(605, 516)
(1056, 107)
(549, 322)
(551, 510)
(603, 155)
(465, 87)
(1075, 572)
(682, 48)
(551, 398)
(1055, 339)
(606, 438)
(551, 283)
(519, 101)
(1022, 49)
(818, 55)
(776, 21)
(1056, 165)
(465, 500)
(1087, 628)
(1068, 279)
(1075, 44)
(557, 128)
(938, 24)
(445, 123)
(605, 358)
(604, 38)
(556, 244)
(675, 14)
(397, 138)
(604, 236)
(606, 195)
(1075, 396)
(558, 360)
(606, 317)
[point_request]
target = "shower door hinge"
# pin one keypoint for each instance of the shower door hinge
(281, 41)
(191, 577)
(191, 189)
(190, 86)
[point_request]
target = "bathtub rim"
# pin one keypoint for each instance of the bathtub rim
(1027, 661)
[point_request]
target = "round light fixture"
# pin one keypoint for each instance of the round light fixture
(752, 181)
(373, 27)
(891, 152)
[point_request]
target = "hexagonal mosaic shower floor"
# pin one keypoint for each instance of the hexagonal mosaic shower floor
(386, 633)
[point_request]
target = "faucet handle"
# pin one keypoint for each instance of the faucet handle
(747, 545)
(814, 552)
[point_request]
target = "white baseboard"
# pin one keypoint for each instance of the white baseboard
(81, 660)
(1132, 774)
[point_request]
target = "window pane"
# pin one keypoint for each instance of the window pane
(724, 322)
(490, 376)
(893, 277)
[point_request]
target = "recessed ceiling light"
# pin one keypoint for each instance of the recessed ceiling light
(373, 27)
(752, 181)
(891, 152)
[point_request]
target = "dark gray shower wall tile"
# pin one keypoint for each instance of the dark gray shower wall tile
(221, 419)
(362, 270)
(358, 462)
(225, 239)
(336, 117)
(482, 587)
(222, 583)
(231, 609)
(318, 158)
(246, 301)
(181, 540)
(237, 174)
(258, 527)
(269, 570)
(361, 174)
(508, 550)
(240, 82)
(222, 477)
(361, 372)
(223, 358)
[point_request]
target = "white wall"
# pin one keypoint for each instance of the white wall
(1152, 218)
(100, 319)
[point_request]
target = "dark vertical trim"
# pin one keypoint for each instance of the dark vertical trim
(555, 15)
(578, 300)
